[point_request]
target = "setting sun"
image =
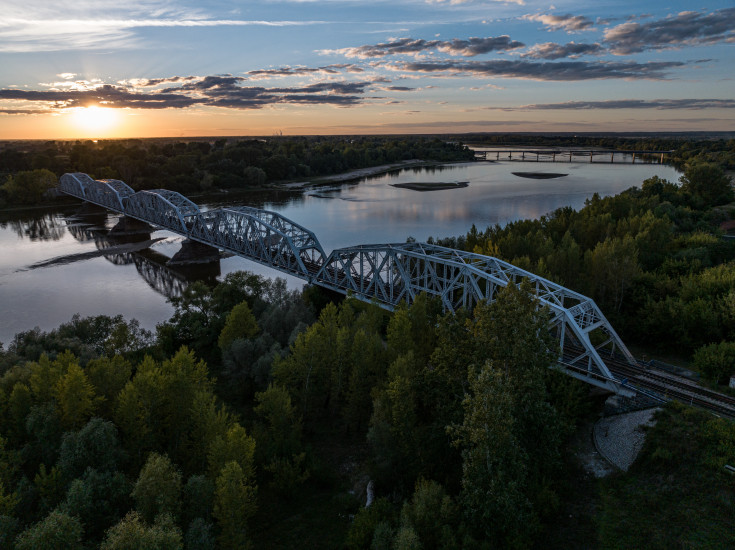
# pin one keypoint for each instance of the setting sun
(95, 120)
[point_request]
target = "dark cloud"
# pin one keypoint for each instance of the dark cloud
(216, 91)
(695, 104)
(22, 112)
(107, 95)
(334, 87)
(565, 70)
(569, 23)
(571, 50)
(413, 46)
(686, 28)
(400, 89)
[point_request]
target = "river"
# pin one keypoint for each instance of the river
(58, 262)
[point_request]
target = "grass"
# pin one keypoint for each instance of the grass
(677, 494)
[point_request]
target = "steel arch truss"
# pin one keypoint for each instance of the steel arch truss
(108, 193)
(400, 272)
(164, 208)
(265, 237)
(388, 274)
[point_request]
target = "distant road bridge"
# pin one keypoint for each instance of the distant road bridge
(566, 155)
(386, 273)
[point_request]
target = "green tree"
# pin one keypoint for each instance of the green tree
(75, 397)
(240, 323)
(716, 362)
(133, 534)
(29, 187)
(511, 435)
(57, 531)
(237, 446)
(234, 505)
(96, 446)
(99, 500)
(158, 488)
(707, 183)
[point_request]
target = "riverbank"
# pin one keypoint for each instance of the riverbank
(360, 173)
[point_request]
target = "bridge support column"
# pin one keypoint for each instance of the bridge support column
(130, 227)
(193, 252)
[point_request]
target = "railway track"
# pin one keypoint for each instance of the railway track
(665, 386)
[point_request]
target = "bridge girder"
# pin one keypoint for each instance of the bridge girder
(164, 208)
(108, 193)
(388, 273)
(265, 237)
(394, 273)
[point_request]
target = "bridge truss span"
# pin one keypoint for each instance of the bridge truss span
(394, 273)
(263, 236)
(386, 273)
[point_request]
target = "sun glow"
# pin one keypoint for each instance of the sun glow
(95, 121)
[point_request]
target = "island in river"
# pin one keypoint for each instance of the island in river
(431, 185)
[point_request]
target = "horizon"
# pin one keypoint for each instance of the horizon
(155, 69)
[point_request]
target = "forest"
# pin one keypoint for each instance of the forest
(201, 165)
(261, 417)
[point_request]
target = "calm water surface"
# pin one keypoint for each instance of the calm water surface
(57, 263)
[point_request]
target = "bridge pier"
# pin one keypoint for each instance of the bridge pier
(193, 252)
(130, 227)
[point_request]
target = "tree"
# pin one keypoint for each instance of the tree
(29, 187)
(716, 362)
(240, 323)
(57, 531)
(76, 397)
(234, 505)
(158, 489)
(510, 436)
(99, 500)
(237, 446)
(133, 534)
(707, 183)
(96, 446)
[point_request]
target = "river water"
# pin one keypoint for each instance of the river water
(58, 262)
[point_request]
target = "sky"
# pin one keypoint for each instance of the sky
(92, 69)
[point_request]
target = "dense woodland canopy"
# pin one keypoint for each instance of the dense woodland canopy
(210, 165)
(256, 415)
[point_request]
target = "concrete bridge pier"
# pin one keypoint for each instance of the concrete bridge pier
(193, 252)
(130, 227)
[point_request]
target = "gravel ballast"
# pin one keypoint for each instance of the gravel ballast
(620, 438)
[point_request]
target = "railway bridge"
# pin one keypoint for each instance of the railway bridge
(386, 273)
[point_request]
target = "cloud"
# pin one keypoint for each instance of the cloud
(560, 71)
(688, 28)
(660, 104)
(415, 46)
(335, 68)
(567, 23)
(212, 91)
(40, 25)
(571, 50)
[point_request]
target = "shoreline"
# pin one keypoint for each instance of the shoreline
(357, 174)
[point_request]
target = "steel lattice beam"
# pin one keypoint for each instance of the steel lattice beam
(387, 273)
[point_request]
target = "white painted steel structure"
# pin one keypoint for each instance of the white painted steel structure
(386, 273)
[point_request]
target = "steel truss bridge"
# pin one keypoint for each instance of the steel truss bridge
(384, 273)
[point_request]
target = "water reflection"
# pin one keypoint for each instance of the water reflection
(150, 264)
(44, 227)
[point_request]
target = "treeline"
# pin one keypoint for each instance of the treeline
(653, 258)
(200, 165)
(685, 149)
(110, 439)
(107, 440)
